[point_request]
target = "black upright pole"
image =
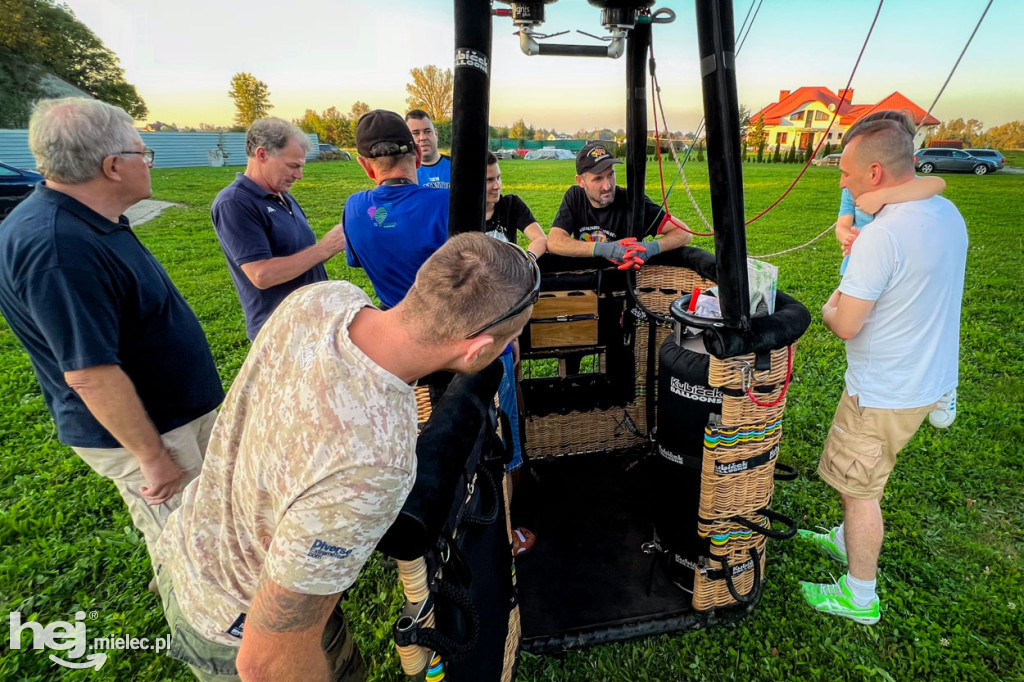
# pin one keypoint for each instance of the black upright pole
(637, 45)
(470, 109)
(715, 34)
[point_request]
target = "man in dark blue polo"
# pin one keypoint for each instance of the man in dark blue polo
(270, 248)
(123, 364)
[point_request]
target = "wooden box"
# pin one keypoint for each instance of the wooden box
(564, 318)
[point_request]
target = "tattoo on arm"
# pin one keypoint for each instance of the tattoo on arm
(276, 609)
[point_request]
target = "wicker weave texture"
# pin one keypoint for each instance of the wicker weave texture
(710, 594)
(579, 433)
(657, 286)
(739, 371)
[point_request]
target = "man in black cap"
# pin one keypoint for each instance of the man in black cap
(392, 229)
(593, 219)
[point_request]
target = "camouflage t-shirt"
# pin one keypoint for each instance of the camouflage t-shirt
(311, 458)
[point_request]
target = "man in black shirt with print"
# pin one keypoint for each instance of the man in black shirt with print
(594, 216)
(507, 215)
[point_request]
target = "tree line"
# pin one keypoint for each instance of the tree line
(38, 37)
(1006, 136)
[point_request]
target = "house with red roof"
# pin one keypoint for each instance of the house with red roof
(803, 115)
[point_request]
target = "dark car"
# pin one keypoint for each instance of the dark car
(990, 154)
(15, 185)
(328, 152)
(940, 159)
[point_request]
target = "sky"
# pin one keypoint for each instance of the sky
(314, 54)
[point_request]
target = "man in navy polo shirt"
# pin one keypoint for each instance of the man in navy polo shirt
(122, 362)
(392, 229)
(270, 248)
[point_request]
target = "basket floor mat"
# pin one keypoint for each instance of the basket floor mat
(586, 580)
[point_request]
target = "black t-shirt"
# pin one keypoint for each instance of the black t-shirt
(510, 216)
(580, 219)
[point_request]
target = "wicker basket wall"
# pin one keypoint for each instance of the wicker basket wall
(709, 594)
(577, 433)
(737, 475)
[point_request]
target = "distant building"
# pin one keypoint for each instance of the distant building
(947, 144)
(802, 115)
(160, 127)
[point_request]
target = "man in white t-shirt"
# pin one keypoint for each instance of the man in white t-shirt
(898, 309)
(312, 457)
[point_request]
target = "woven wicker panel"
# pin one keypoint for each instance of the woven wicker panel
(422, 404)
(724, 534)
(657, 286)
(740, 409)
(576, 433)
(638, 408)
(710, 594)
(515, 634)
(732, 494)
(729, 371)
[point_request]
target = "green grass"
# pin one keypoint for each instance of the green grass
(951, 566)
(1014, 157)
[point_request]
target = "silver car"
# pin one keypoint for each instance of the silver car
(940, 159)
(990, 154)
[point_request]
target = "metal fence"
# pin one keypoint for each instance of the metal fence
(173, 150)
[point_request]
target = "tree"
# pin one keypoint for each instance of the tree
(251, 97)
(959, 129)
(1007, 136)
(757, 135)
(791, 156)
(39, 36)
(358, 109)
(777, 157)
(809, 151)
(518, 130)
(431, 90)
(744, 121)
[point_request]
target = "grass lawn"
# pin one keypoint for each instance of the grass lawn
(951, 566)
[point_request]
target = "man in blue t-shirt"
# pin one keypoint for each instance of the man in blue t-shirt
(392, 229)
(435, 168)
(123, 364)
(270, 248)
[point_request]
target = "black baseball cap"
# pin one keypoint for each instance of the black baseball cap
(379, 126)
(594, 158)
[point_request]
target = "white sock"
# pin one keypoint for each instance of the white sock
(840, 537)
(863, 590)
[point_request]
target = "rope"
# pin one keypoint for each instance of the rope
(744, 24)
(656, 92)
(950, 77)
(657, 104)
(828, 229)
(830, 123)
(740, 47)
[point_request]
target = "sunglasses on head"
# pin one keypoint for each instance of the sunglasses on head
(525, 302)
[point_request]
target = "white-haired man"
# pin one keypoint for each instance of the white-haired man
(270, 248)
(123, 364)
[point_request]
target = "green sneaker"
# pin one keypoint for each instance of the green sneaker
(827, 541)
(838, 600)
